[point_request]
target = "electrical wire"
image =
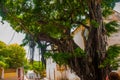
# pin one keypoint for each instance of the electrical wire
(12, 38)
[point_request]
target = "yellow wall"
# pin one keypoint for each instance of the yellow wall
(0, 73)
(10, 74)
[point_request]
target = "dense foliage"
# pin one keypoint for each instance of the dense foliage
(52, 17)
(16, 56)
(62, 58)
(2, 60)
(112, 59)
(37, 67)
(12, 56)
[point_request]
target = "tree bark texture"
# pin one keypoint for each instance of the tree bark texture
(96, 44)
(88, 68)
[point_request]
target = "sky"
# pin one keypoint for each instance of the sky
(9, 36)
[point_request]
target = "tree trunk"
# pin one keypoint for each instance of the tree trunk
(88, 68)
(96, 44)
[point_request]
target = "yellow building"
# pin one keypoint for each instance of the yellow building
(12, 74)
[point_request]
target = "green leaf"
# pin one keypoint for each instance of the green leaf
(112, 59)
(2, 64)
(79, 52)
(112, 27)
(95, 24)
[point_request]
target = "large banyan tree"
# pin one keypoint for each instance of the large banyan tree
(53, 20)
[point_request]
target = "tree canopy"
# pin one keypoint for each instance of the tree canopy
(2, 59)
(16, 56)
(52, 18)
(12, 56)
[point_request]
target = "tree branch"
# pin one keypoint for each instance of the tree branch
(60, 26)
(47, 38)
(82, 24)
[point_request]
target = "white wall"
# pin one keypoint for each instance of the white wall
(54, 74)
